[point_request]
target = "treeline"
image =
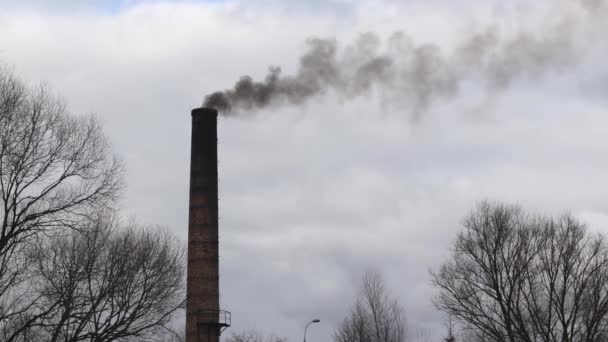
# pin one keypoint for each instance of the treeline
(512, 276)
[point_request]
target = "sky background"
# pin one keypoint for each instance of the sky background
(313, 196)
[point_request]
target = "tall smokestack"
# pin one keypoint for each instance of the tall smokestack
(204, 319)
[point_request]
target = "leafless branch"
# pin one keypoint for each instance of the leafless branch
(519, 277)
(68, 271)
(375, 317)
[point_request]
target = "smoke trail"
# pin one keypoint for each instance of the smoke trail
(413, 76)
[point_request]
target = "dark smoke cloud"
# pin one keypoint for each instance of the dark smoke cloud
(414, 76)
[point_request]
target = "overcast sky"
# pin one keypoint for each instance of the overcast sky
(313, 196)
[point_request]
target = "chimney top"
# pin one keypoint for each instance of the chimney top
(204, 111)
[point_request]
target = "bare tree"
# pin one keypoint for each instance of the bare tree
(55, 169)
(106, 283)
(375, 317)
(172, 334)
(450, 327)
(68, 270)
(519, 277)
(254, 335)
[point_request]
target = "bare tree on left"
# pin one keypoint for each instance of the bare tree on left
(55, 169)
(58, 178)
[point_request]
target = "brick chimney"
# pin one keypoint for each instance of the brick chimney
(204, 319)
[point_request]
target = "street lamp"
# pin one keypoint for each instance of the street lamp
(316, 320)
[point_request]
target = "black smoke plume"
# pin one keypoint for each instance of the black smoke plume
(414, 76)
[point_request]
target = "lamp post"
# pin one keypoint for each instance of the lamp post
(316, 320)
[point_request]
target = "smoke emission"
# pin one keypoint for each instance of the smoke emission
(414, 76)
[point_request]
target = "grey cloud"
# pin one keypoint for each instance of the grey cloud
(311, 197)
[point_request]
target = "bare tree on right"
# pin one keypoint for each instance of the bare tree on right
(514, 276)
